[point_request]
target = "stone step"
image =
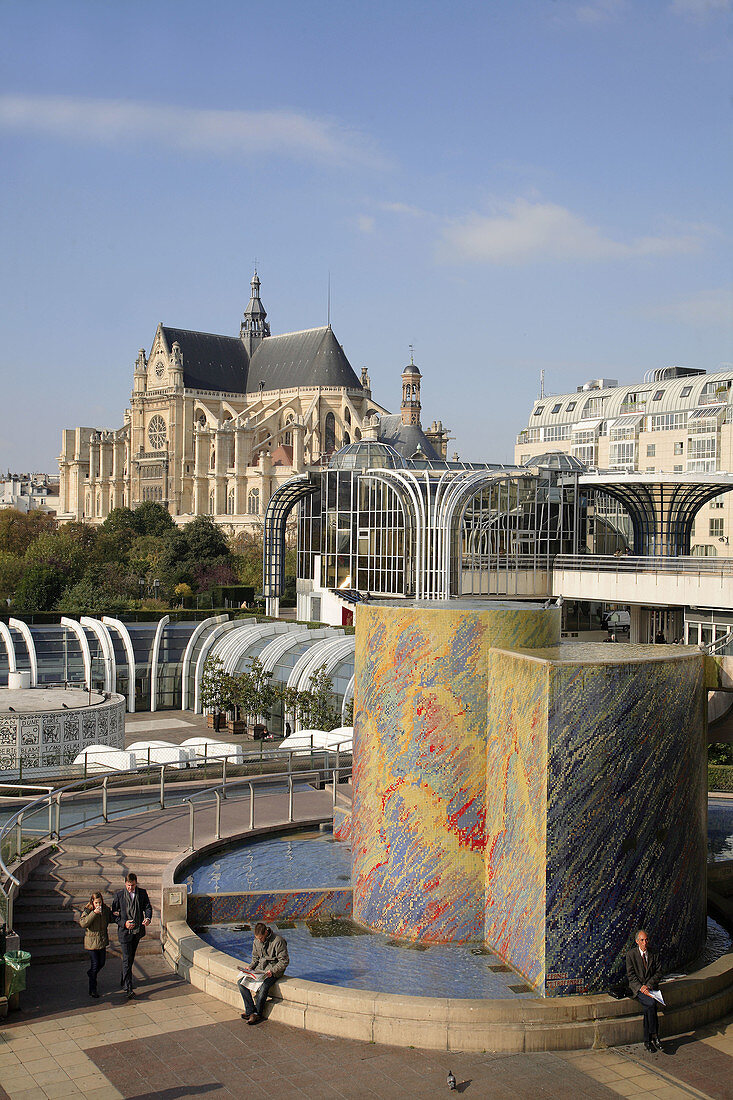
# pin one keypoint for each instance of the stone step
(81, 883)
(114, 871)
(61, 952)
(131, 855)
(65, 919)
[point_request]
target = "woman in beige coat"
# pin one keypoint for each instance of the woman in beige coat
(94, 920)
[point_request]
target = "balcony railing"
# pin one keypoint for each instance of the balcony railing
(692, 566)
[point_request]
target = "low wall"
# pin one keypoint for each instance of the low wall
(48, 738)
(533, 1024)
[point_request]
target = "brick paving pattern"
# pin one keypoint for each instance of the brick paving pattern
(174, 1041)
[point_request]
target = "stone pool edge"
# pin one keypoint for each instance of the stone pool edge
(530, 1024)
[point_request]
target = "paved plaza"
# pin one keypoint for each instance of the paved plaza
(174, 1041)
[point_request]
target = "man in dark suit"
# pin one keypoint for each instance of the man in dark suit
(643, 973)
(132, 911)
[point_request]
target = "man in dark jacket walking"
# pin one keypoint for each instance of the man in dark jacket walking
(643, 973)
(269, 960)
(133, 912)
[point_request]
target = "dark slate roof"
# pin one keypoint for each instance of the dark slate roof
(405, 438)
(210, 362)
(310, 358)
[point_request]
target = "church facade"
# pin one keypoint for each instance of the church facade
(217, 423)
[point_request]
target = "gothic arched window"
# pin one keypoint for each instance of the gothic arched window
(212, 460)
(329, 440)
(230, 502)
(211, 503)
(253, 502)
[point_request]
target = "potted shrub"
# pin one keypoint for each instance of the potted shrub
(216, 691)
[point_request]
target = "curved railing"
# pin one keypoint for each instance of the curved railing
(51, 800)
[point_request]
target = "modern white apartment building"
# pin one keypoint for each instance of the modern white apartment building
(677, 420)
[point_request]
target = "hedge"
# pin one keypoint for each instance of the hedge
(720, 777)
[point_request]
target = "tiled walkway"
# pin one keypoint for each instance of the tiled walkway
(173, 1041)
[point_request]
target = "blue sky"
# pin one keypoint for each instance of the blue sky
(510, 186)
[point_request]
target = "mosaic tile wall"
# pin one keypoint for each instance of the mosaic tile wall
(46, 740)
(276, 905)
(342, 823)
(600, 823)
(626, 815)
(516, 804)
(547, 801)
(419, 807)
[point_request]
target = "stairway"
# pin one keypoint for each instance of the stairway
(49, 904)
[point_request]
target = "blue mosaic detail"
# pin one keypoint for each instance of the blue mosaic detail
(271, 906)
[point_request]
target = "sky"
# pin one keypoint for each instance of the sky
(510, 186)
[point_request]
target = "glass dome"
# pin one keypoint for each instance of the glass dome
(556, 460)
(366, 454)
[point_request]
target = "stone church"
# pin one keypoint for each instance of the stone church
(217, 423)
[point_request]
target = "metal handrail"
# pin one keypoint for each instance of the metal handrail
(277, 753)
(719, 643)
(219, 792)
(630, 564)
(54, 795)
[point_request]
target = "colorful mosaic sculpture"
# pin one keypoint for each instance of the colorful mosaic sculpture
(545, 801)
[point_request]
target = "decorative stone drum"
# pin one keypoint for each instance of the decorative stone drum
(546, 800)
(45, 727)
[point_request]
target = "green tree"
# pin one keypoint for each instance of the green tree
(11, 571)
(71, 547)
(19, 529)
(720, 753)
(217, 689)
(40, 587)
(193, 551)
(315, 708)
(151, 518)
(254, 694)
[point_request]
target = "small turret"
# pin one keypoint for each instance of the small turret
(141, 372)
(254, 327)
(366, 382)
(176, 369)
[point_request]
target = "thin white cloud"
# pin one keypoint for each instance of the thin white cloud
(599, 11)
(530, 232)
(701, 310)
(365, 223)
(187, 129)
(699, 9)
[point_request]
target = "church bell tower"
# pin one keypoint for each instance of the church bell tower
(411, 406)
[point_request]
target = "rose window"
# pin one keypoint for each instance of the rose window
(156, 433)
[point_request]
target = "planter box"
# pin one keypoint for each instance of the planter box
(236, 725)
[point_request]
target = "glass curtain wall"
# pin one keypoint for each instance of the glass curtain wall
(511, 525)
(357, 527)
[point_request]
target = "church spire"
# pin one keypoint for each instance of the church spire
(254, 328)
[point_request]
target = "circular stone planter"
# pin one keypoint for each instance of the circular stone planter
(449, 1024)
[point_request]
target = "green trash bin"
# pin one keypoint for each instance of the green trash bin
(16, 964)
